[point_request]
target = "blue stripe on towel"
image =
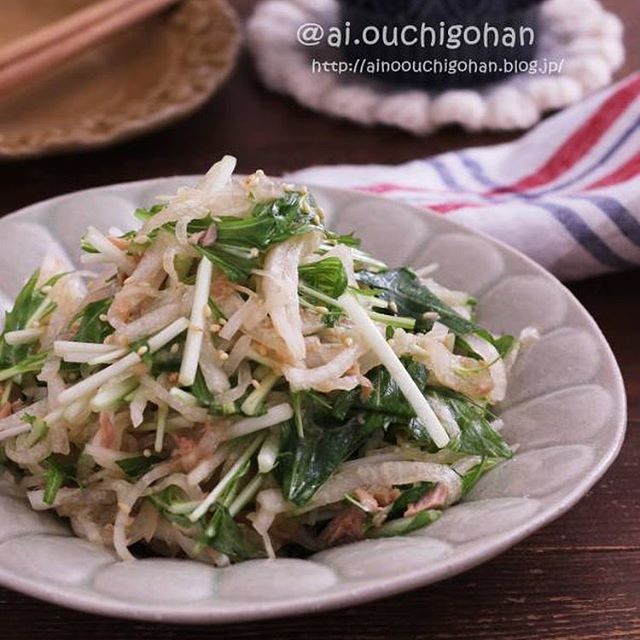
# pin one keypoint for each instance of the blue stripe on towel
(570, 220)
(617, 213)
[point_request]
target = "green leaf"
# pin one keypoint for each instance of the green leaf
(241, 242)
(270, 222)
(28, 364)
(387, 397)
(92, 328)
(472, 476)
(225, 536)
(306, 463)
(327, 276)
(206, 399)
(409, 496)
(26, 304)
(347, 239)
(38, 430)
(403, 526)
(167, 359)
(236, 267)
(504, 344)
(86, 246)
(55, 475)
(477, 437)
(168, 503)
(146, 214)
(139, 465)
(414, 299)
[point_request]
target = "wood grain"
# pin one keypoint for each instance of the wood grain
(577, 579)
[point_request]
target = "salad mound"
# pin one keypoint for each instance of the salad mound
(234, 380)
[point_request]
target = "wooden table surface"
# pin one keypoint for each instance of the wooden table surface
(578, 578)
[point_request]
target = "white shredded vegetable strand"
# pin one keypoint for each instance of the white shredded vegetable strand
(23, 336)
(204, 506)
(163, 412)
(390, 360)
(191, 355)
(275, 415)
(109, 250)
(97, 379)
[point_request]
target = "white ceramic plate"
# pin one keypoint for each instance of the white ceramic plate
(565, 407)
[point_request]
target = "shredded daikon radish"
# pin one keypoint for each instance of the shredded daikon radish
(280, 291)
(215, 378)
(385, 474)
(235, 393)
(109, 251)
(238, 353)
(303, 378)
(238, 363)
(495, 365)
(196, 414)
(128, 500)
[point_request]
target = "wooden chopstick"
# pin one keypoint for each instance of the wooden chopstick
(43, 50)
(50, 33)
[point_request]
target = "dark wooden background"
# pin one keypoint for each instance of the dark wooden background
(578, 578)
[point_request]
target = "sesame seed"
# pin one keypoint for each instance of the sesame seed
(214, 328)
(393, 307)
(142, 350)
(223, 355)
(103, 317)
(146, 453)
(174, 348)
(207, 311)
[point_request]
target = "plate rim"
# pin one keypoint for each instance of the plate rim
(75, 598)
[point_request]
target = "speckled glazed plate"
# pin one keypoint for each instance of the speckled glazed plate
(152, 74)
(565, 407)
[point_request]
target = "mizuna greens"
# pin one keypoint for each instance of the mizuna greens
(238, 381)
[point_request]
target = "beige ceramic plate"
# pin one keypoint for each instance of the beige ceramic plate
(565, 408)
(144, 78)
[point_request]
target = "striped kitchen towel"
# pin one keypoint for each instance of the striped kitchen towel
(567, 194)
